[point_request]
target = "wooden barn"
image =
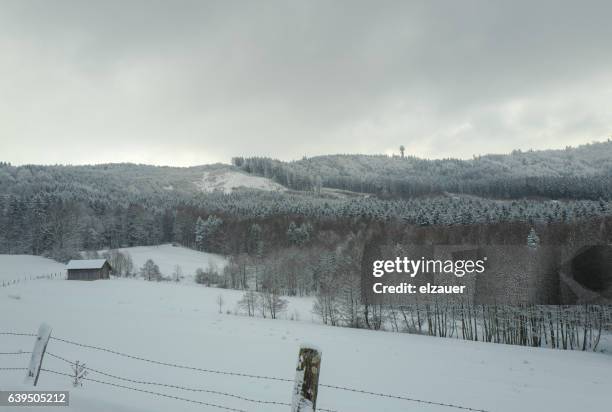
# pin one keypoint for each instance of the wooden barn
(88, 269)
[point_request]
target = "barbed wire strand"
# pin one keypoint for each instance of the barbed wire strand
(172, 365)
(17, 334)
(13, 369)
(227, 408)
(14, 353)
(88, 368)
(178, 386)
(272, 378)
(404, 398)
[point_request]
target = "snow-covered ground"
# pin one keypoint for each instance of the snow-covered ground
(180, 323)
(168, 256)
(228, 180)
(15, 267)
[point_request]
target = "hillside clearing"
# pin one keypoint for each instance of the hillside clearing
(168, 256)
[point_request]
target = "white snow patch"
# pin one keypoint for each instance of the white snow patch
(167, 257)
(226, 180)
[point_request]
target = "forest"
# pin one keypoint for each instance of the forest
(573, 173)
(315, 239)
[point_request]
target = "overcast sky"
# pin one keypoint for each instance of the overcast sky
(194, 82)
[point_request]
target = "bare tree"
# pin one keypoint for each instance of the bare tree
(121, 262)
(150, 271)
(248, 302)
(178, 273)
(79, 371)
(274, 303)
(262, 304)
(220, 302)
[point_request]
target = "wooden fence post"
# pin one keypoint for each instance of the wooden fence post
(44, 333)
(306, 382)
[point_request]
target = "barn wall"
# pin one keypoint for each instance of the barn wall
(105, 271)
(83, 274)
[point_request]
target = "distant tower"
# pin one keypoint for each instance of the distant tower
(402, 149)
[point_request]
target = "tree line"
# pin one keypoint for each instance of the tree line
(584, 172)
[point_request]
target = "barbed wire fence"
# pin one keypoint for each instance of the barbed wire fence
(114, 380)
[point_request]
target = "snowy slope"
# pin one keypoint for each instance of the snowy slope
(180, 323)
(14, 267)
(229, 179)
(168, 256)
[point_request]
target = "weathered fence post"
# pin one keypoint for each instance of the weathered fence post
(306, 382)
(44, 333)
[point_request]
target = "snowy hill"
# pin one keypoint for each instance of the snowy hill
(571, 172)
(585, 160)
(181, 324)
(125, 179)
(168, 256)
(228, 179)
(15, 267)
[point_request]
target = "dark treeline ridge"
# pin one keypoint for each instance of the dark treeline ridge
(59, 210)
(56, 210)
(584, 172)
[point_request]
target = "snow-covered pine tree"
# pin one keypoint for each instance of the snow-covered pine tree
(533, 240)
(200, 227)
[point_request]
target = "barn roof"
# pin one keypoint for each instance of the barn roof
(86, 264)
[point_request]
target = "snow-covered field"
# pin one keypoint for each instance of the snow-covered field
(168, 256)
(15, 267)
(180, 323)
(229, 179)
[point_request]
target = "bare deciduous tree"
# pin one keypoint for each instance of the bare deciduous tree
(220, 303)
(79, 371)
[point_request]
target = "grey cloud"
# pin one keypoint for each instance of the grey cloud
(191, 82)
